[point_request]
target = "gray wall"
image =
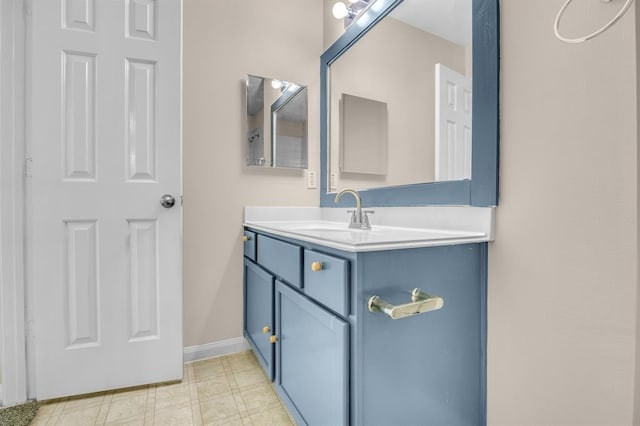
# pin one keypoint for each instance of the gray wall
(224, 41)
(563, 271)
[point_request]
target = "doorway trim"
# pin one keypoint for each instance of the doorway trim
(12, 144)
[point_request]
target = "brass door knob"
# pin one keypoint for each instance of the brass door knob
(273, 339)
(316, 266)
(246, 238)
(266, 329)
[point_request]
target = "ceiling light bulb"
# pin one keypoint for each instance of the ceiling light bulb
(340, 10)
(276, 84)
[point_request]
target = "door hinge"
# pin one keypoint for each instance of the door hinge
(28, 162)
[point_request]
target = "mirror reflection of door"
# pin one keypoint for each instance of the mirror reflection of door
(276, 123)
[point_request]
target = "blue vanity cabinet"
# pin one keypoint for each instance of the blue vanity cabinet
(427, 369)
(258, 314)
(338, 363)
(312, 359)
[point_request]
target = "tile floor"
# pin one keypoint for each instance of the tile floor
(229, 390)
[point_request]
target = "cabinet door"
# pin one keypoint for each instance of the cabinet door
(258, 314)
(427, 369)
(312, 357)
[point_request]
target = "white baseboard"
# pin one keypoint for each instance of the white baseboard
(214, 349)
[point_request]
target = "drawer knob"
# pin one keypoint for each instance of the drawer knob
(273, 339)
(316, 266)
(266, 329)
(246, 238)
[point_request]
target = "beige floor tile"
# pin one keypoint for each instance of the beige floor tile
(218, 408)
(43, 421)
(180, 415)
(209, 368)
(190, 375)
(80, 417)
(77, 403)
(239, 402)
(129, 392)
(104, 410)
(136, 421)
(248, 378)
(51, 409)
(231, 390)
(242, 361)
(213, 386)
(260, 397)
(124, 409)
(274, 416)
(235, 420)
(172, 395)
(151, 402)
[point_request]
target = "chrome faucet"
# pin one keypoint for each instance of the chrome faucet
(358, 219)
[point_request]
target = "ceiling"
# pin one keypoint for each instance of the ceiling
(449, 19)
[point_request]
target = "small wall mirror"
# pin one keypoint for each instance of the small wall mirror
(276, 123)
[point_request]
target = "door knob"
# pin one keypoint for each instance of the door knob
(167, 201)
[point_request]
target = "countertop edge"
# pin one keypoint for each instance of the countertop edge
(354, 248)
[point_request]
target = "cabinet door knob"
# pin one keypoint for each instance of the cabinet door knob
(316, 266)
(273, 339)
(266, 329)
(246, 238)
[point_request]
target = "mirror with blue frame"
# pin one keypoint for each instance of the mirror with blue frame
(416, 58)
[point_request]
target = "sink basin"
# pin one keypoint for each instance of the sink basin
(318, 227)
(339, 235)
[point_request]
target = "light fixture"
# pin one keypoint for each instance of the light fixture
(276, 84)
(349, 13)
(340, 10)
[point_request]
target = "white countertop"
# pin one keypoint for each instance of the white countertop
(392, 227)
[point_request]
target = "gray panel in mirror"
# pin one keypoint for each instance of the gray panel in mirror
(276, 123)
(395, 63)
(363, 135)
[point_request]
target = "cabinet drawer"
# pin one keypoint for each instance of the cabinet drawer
(283, 259)
(249, 239)
(326, 280)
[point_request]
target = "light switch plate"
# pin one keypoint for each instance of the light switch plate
(312, 179)
(332, 182)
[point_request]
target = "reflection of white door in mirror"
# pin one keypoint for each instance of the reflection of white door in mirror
(453, 125)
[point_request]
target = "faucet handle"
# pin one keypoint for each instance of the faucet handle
(353, 222)
(365, 219)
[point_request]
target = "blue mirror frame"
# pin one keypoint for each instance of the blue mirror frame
(482, 189)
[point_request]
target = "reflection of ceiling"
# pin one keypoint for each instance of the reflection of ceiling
(449, 19)
(296, 109)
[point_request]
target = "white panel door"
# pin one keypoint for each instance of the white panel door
(453, 125)
(104, 256)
